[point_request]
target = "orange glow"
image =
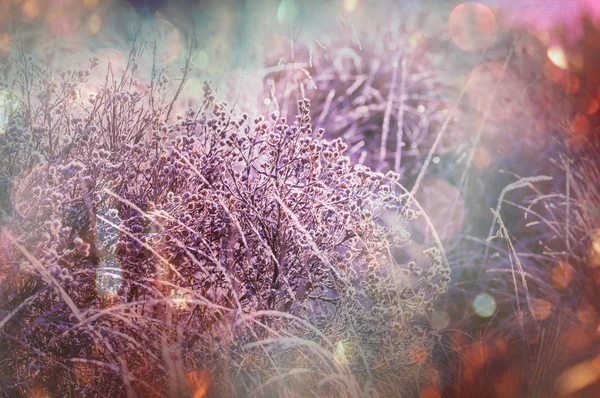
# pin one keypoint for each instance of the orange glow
(561, 275)
(577, 339)
(586, 313)
(432, 375)
(430, 391)
(590, 105)
(84, 374)
(596, 240)
(593, 257)
(580, 125)
(577, 142)
(481, 157)
(479, 353)
(94, 24)
(501, 347)
(31, 8)
(198, 382)
(418, 355)
(475, 356)
(508, 384)
(556, 74)
(579, 376)
(472, 26)
(541, 309)
(37, 392)
(572, 84)
(90, 4)
(596, 273)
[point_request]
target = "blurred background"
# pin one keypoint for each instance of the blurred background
(514, 89)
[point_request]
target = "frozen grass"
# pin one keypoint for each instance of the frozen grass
(384, 90)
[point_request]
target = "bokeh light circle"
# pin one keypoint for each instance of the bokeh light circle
(484, 305)
(440, 320)
(561, 275)
(472, 26)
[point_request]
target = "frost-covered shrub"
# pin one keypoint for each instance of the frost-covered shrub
(140, 250)
(299, 230)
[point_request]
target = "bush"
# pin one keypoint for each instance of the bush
(144, 251)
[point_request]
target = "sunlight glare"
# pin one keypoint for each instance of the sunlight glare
(557, 56)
